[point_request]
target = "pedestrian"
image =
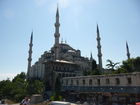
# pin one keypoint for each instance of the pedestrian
(25, 101)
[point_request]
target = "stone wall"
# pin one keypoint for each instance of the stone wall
(125, 79)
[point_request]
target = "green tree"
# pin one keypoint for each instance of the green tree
(136, 64)
(128, 65)
(5, 89)
(120, 70)
(85, 73)
(131, 65)
(94, 65)
(111, 65)
(96, 72)
(21, 76)
(35, 87)
(19, 86)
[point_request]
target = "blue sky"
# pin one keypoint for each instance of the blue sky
(118, 20)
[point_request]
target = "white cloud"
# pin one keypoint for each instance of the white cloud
(4, 76)
(9, 13)
(40, 2)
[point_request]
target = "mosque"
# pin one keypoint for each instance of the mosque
(62, 59)
(66, 63)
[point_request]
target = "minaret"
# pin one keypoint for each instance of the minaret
(99, 49)
(57, 24)
(91, 58)
(57, 35)
(30, 55)
(127, 50)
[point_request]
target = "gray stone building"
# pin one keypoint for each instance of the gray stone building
(111, 89)
(61, 52)
(61, 60)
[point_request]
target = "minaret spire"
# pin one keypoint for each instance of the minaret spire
(57, 25)
(91, 58)
(57, 12)
(30, 55)
(127, 50)
(99, 49)
(57, 34)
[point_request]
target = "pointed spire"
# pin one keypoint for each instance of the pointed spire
(30, 55)
(31, 39)
(97, 29)
(98, 33)
(57, 12)
(91, 58)
(57, 25)
(127, 50)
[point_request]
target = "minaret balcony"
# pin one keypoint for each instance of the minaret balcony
(29, 59)
(31, 45)
(98, 47)
(99, 55)
(98, 38)
(30, 51)
(57, 24)
(57, 35)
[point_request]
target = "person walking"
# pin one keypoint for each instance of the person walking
(25, 101)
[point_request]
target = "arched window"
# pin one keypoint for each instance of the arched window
(107, 81)
(90, 82)
(63, 75)
(71, 82)
(83, 82)
(98, 81)
(129, 80)
(117, 81)
(66, 82)
(77, 82)
(62, 82)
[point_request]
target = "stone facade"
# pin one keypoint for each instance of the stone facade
(115, 89)
(126, 79)
(67, 54)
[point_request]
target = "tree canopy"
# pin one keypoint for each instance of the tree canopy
(111, 65)
(19, 87)
(127, 66)
(131, 65)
